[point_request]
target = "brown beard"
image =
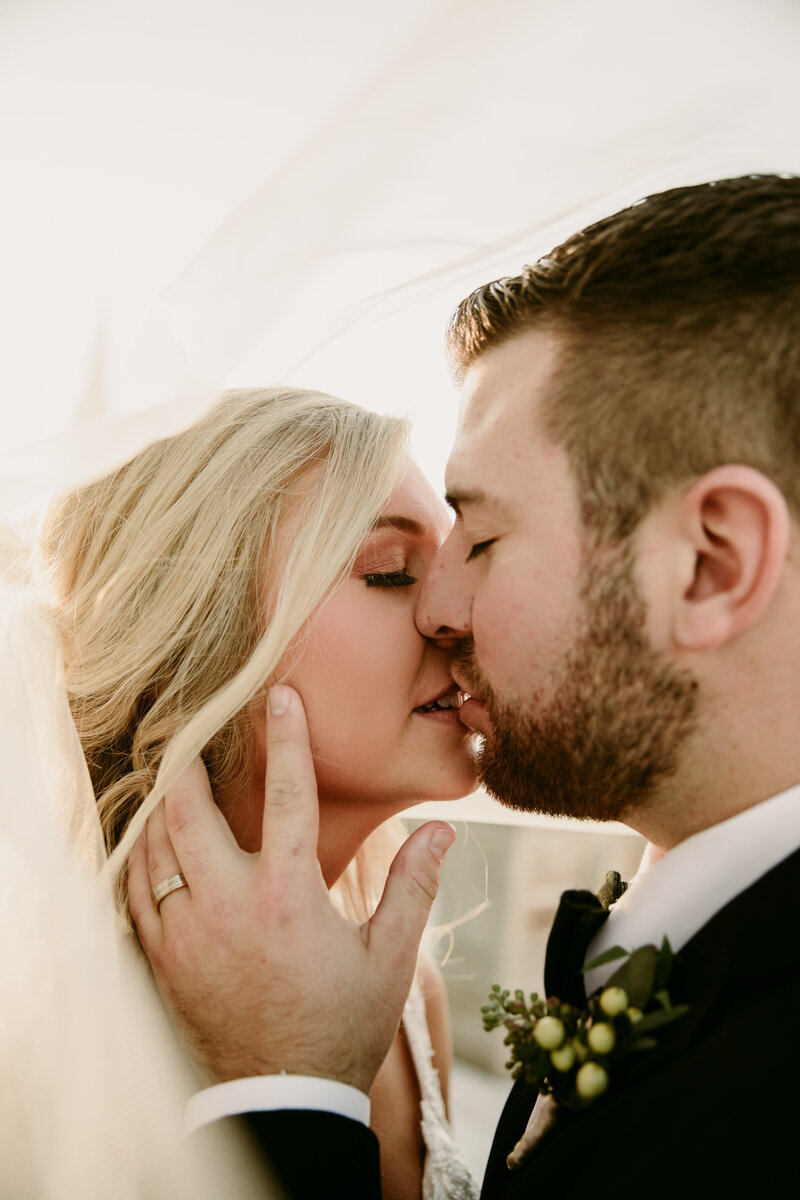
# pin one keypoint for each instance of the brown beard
(608, 726)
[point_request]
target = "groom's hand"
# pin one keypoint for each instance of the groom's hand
(262, 971)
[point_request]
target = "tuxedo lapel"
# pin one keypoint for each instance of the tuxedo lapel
(746, 954)
(510, 1128)
(749, 944)
(580, 914)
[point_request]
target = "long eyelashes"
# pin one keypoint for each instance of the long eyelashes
(479, 548)
(389, 579)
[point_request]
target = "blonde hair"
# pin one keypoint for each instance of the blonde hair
(163, 570)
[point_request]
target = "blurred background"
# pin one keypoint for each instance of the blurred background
(499, 891)
(203, 193)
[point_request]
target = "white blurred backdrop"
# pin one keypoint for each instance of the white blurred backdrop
(204, 192)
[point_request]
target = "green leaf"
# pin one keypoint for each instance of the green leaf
(606, 957)
(656, 1019)
(636, 975)
(643, 1043)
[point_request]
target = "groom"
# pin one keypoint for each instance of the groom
(620, 594)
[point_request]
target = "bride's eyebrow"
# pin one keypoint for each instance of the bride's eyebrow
(404, 524)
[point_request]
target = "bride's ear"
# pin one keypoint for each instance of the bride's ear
(735, 527)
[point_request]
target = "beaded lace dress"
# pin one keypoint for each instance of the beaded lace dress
(446, 1175)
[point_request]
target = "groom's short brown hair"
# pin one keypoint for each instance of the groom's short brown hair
(678, 321)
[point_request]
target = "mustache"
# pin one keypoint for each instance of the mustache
(465, 664)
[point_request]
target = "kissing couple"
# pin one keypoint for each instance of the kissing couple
(617, 600)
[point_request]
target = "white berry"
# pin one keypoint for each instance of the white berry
(613, 1001)
(601, 1038)
(563, 1058)
(549, 1032)
(591, 1080)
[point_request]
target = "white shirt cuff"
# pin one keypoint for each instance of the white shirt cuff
(260, 1093)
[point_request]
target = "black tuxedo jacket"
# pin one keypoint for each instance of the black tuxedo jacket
(714, 1109)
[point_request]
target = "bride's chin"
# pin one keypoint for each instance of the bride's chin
(453, 785)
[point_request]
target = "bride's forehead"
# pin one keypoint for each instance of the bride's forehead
(415, 499)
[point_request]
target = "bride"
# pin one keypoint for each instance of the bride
(279, 539)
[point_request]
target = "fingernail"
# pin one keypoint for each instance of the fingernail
(278, 700)
(441, 841)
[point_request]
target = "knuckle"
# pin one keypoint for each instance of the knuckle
(422, 888)
(280, 906)
(179, 813)
(282, 735)
(155, 864)
(177, 962)
(184, 953)
(283, 794)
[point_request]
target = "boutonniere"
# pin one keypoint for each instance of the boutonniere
(569, 1053)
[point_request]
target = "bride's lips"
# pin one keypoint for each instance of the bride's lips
(450, 698)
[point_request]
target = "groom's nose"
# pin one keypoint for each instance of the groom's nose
(444, 602)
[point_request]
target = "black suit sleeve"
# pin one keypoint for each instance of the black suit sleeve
(317, 1154)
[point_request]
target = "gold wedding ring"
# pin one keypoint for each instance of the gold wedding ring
(166, 886)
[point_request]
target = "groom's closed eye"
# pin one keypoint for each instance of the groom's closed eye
(479, 548)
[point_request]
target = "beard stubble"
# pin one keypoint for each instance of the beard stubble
(606, 728)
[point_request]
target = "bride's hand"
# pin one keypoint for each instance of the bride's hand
(262, 971)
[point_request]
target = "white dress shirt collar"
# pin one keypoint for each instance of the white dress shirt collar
(261, 1093)
(678, 894)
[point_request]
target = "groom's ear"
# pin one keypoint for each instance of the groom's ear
(728, 540)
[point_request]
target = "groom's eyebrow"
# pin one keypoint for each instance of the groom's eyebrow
(459, 498)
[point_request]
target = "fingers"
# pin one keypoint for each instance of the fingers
(143, 911)
(199, 835)
(162, 861)
(185, 835)
(291, 813)
(411, 887)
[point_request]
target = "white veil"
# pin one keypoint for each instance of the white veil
(208, 193)
(92, 1084)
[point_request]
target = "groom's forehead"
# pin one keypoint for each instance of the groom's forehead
(478, 457)
(481, 459)
(495, 425)
(503, 387)
(501, 449)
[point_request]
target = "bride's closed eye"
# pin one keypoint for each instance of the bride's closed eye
(389, 579)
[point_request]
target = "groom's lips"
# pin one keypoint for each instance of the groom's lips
(473, 712)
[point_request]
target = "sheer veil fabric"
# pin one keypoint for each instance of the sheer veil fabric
(237, 195)
(93, 1083)
(209, 194)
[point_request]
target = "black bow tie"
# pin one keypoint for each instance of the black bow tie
(580, 914)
